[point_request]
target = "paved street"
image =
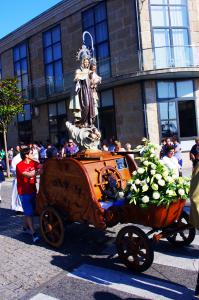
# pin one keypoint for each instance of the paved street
(86, 266)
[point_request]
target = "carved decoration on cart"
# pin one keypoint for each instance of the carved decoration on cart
(84, 100)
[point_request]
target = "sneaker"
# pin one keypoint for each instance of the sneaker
(26, 230)
(35, 238)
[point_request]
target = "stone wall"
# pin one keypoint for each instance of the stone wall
(129, 113)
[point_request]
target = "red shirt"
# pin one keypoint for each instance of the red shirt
(26, 185)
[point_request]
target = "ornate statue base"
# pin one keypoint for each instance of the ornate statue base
(87, 138)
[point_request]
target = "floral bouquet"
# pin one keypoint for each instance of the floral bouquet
(153, 183)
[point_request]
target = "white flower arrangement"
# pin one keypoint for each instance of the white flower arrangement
(153, 183)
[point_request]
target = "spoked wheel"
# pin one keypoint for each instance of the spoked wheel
(134, 248)
(52, 227)
(184, 237)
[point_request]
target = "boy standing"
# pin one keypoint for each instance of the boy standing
(26, 171)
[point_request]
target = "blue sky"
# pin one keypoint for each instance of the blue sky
(15, 13)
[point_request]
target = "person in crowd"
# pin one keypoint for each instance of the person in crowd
(51, 152)
(194, 207)
(118, 147)
(26, 172)
(35, 151)
(177, 150)
(16, 150)
(104, 145)
(167, 142)
(15, 200)
(2, 154)
(194, 152)
(10, 155)
(42, 154)
(71, 148)
(2, 177)
(63, 149)
(111, 145)
(171, 161)
(128, 147)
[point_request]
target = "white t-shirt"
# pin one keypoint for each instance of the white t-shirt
(172, 164)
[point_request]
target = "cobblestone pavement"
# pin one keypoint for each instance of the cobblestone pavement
(20, 260)
(25, 266)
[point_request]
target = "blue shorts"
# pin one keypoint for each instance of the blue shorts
(28, 204)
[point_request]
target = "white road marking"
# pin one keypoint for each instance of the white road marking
(138, 285)
(41, 296)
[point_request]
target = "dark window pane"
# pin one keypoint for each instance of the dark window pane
(48, 55)
(16, 53)
(49, 70)
(23, 51)
(88, 19)
(103, 51)
(187, 118)
(50, 78)
(107, 122)
(101, 32)
(52, 109)
(27, 112)
(58, 76)
(56, 35)
(100, 12)
(47, 39)
(17, 69)
(169, 128)
(24, 81)
(24, 67)
(56, 51)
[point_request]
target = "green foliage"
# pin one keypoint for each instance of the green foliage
(11, 102)
(153, 183)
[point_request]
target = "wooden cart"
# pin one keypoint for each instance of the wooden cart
(84, 189)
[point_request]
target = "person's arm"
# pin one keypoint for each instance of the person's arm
(29, 174)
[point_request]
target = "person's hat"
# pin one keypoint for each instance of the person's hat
(70, 141)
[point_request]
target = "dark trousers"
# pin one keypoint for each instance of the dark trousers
(197, 286)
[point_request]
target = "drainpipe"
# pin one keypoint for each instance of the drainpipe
(137, 7)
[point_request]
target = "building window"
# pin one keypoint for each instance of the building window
(25, 125)
(94, 21)
(176, 104)
(53, 60)
(57, 119)
(170, 29)
(20, 58)
(107, 115)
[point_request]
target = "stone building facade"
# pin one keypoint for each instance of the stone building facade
(148, 57)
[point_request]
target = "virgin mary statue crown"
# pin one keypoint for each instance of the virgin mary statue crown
(84, 53)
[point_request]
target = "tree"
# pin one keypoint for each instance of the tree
(11, 103)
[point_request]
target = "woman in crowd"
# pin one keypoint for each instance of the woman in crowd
(194, 152)
(171, 161)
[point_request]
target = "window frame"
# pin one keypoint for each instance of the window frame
(19, 61)
(170, 28)
(53, 61)
(94, 28)
(176, 100)
(56, 117)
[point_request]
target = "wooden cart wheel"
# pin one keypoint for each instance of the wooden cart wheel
(185, 237)
(52, 227)
(134, 248)
(109, 176)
